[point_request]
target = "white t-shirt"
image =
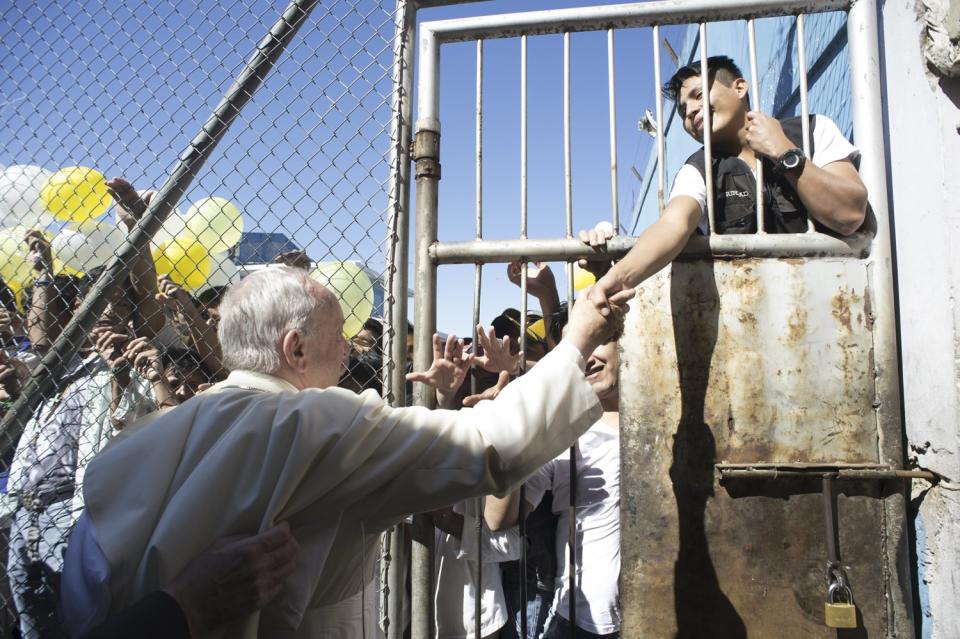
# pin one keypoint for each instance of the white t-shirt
(598, 527)
(455, 561)
(829, 145)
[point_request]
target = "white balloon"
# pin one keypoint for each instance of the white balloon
(20, 204)
(223, 272)
(88, 246)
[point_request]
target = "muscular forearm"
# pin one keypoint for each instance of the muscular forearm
(658, 245)
(839, 202)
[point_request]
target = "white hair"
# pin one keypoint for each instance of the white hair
(258, 311)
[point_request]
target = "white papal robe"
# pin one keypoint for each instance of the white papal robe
(339, 467)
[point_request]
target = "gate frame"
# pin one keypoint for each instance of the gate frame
(875, 250)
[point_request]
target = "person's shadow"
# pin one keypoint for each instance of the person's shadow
(702, 609)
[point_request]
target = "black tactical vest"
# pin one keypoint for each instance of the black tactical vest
(735, 191)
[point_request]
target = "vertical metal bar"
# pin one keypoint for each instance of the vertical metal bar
(612, 96)
(567, 172)
(395, 311)
(427, 155)
(523, 313)
(398, 205)
(269, 49)
(478, 273)
(868, 132)
(707, 124)
(755, 92)
(568, 179)
(661, 146)
(804, 102)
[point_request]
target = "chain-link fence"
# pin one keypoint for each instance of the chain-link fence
(98, 101)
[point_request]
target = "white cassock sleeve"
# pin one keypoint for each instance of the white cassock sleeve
(339, 467)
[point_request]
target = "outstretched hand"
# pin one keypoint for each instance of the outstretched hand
(596, 238)
(130, 206)
(496, 352)
(540, 280)
(449, 367)
(144, 358)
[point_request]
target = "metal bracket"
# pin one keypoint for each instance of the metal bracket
(426, 153)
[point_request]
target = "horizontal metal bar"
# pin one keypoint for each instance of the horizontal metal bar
(601, 18)
(716, 246)
(723, 466)
(871, 474)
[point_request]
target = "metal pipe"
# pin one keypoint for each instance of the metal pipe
(618, 16)
(477, 281)
(427, 154)
(42, 381)
(707, 127)
(661, 145)
(720, 246)
(612, 97)
(523, 307)
(398, 205)
(771, 473)
(755, 90)
(567, 164)
(866, 84)
(395, 311)
(804, 100)
(868, 132)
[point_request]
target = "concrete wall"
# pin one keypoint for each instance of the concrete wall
(924, 142)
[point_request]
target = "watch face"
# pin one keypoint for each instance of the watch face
(791, 160)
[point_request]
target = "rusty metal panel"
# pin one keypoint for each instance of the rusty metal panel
(746, 360)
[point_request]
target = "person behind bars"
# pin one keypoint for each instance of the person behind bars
(825, 187)
(277, 441)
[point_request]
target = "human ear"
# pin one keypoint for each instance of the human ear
(291, 347)
(741, 86)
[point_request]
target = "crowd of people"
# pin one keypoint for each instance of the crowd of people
(243, 411)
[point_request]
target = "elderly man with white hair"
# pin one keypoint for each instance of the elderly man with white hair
(277, 441)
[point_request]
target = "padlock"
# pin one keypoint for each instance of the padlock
(839, 614)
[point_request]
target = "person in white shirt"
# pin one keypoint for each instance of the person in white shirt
(824, 188)
(595, 610)
(277, 441)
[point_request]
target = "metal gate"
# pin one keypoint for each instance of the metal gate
(758, 373)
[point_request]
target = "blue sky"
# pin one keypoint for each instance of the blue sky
(124, 86)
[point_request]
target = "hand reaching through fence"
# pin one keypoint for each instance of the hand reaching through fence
(448, 370)
(496, 355)
(491, 393)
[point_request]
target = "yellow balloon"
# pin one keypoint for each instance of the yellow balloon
(185, 260)
(582, 278)
(351, 285)
(14, 266)
(76, 194)
(216, 223)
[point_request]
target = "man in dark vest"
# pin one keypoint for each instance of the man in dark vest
(825, 187)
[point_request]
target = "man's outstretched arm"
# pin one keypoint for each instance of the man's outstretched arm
(655, 248)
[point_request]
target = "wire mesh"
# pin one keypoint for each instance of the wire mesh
(95, 90)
